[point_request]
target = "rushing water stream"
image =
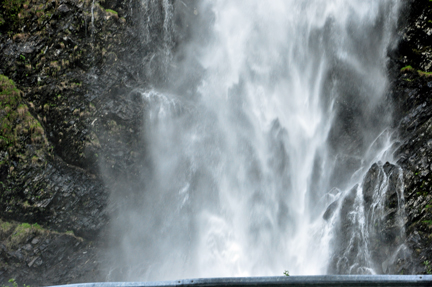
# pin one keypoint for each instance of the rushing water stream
(288, 116)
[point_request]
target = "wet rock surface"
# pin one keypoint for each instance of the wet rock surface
(80, 67)
(340, 264)
(401, 246)
(411, 93)
(370, 227)
(56, 257)
(398, 225)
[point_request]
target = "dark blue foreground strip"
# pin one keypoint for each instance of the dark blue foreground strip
(328, 280)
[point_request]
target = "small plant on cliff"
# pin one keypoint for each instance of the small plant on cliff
(428, 266)
(286, 273)
(111, 11)
(424, 74)
(15, 284)
(407, 69)
(427, 222)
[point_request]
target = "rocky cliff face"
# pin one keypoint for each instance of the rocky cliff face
(71, 128)
(68, 112)
(398, 224)
(411, 93)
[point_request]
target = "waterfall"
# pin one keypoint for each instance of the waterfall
(263, 165)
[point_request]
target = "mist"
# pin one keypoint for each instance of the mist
(262, 116)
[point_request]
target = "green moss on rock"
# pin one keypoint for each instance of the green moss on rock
(17, 125)
(407, 69)
(5, 226)
(424, 74)
(111, 11)
(13, 234)
(10, 97)
(13, 13)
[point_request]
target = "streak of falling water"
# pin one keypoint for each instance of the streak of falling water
(92, 16)
(167, 27)
(157, 31)
(241, 172)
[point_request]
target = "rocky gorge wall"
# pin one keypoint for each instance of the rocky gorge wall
(411, 94)
(68, 68)
(71, 128)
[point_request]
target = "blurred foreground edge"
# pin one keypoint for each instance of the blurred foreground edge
(327, 280)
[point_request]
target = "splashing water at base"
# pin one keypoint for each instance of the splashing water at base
(282, 123)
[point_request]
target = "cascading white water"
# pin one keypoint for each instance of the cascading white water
(242, 171)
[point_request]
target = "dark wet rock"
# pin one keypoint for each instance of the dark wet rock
(371, 181)
(339, 263)
(348, 201)
(56, 257)
(394, 193)
(411, 94)
(385, 180)
(330, 210)
(63, 8)
(379, 241)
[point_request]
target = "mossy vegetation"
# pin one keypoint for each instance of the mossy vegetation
(17, 125)
(10, 97)
(428, 223)
(14, 234)
(13, 13)
(407, 69)
(14, 283)
(5, 227)
(111, 11)
(424, 74)
(21, 233)
(419, 72)
(428, 267)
